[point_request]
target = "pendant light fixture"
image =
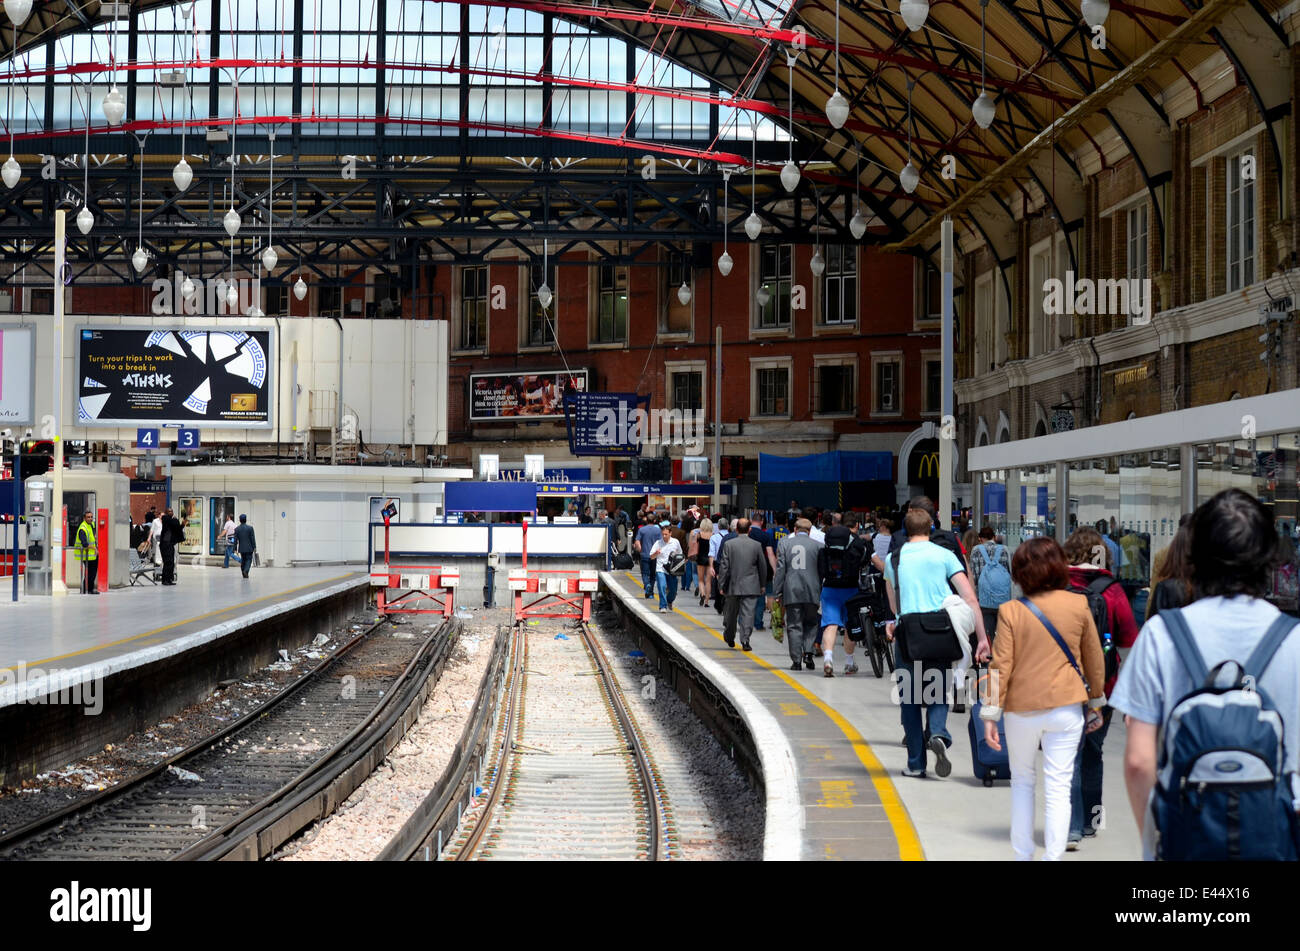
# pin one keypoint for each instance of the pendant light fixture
(763, 296)
(544, 293)
(182, 174)
(857, 224)
(818, 263)
(140, 259)
(1095, 12)
(837, 107)
(11, 171)
(724, 260)
(983, 110)
(914, 13)
(85, 219)
(187, 289)
(790, 174)
(753, 224)
(909, 176)
(18, 11)
(269, 257)
(300, 288)
(114, 104)
(684, 292)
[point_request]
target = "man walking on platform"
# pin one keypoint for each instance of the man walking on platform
(743, 572)
(246, 542)
(646, 537)
(171, 536)
(798, 587)
(228, 538)
(87, 552)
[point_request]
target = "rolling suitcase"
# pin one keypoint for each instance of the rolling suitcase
(990, 764)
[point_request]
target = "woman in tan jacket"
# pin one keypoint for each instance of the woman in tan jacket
(1041, 691)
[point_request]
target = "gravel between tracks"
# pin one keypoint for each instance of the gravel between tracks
(717, 811)
(134, 754)
(372, 815)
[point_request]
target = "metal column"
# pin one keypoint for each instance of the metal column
(1187, 476)
(947, 423)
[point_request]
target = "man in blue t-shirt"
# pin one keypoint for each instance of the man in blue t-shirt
(758, 531)
(646, 536)
(920, 584)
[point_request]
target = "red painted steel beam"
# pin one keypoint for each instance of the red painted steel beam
(751, 105)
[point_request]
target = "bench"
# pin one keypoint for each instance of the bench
(142, 569)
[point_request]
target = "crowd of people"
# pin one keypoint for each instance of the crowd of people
(1209, 688)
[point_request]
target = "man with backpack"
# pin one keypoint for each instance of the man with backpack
(1218, 683)
(839, 563)
(1113, 618)
(939, 536)
(990, 572)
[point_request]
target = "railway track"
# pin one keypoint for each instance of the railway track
(247, 790)
(571, 777)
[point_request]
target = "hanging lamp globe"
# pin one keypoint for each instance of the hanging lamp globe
(684, 294)
(837, 109)
(858, 224)
(85, 220)
(270, 259)
(914, 13)
(231, 222)
(18, 11)
(790, 176)
(182, 174)
(1095, 11)
(763, 296)
(11, 172)
(232, 295)
(255, 311)
(139, 260)
(187, 289)
(818, 263)
(984, 109)
(114, 106)
(300, 289)
(544, 295)
(753, 226)
(724, 264)
(909, 177)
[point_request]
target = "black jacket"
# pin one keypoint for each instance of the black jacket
(172, 532)
(245, 539)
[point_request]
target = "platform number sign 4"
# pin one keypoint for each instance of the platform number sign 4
(146, 438)
(187, 439)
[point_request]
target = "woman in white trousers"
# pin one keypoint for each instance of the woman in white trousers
(1047, 663)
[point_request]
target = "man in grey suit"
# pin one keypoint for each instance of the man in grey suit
(743, 572)
(798, 588)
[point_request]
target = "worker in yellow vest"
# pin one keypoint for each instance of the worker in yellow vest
(87, 552)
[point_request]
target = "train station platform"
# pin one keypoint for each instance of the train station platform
(80, 671)
(844, 736)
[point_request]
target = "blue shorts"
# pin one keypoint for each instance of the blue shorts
(833, 601)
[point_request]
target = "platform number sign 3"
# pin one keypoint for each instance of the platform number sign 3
(146, 438)
(187, 439)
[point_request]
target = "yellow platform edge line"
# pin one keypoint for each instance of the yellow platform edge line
(168, 627)
(909, 843)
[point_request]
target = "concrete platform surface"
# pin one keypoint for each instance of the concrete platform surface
(846, 738)
(122, 628)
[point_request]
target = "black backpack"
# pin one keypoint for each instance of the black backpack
(840, 559)
(1095, 592)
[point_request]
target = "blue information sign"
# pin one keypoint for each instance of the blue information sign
(187, 439)
(605, 424)
(146, 438)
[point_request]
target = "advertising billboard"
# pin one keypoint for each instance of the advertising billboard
(532, 395)
(17, 361)
(194, 377)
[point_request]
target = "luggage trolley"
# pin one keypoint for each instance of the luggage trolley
(561, 592)
(419, 584)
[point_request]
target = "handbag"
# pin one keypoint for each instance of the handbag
(676, 564)
(926, 635)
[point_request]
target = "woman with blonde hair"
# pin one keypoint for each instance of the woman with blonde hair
(702, 536)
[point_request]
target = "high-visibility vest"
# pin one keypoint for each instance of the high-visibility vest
(86, 549)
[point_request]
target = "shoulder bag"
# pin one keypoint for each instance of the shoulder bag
(1060, 641)
(925, 635)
